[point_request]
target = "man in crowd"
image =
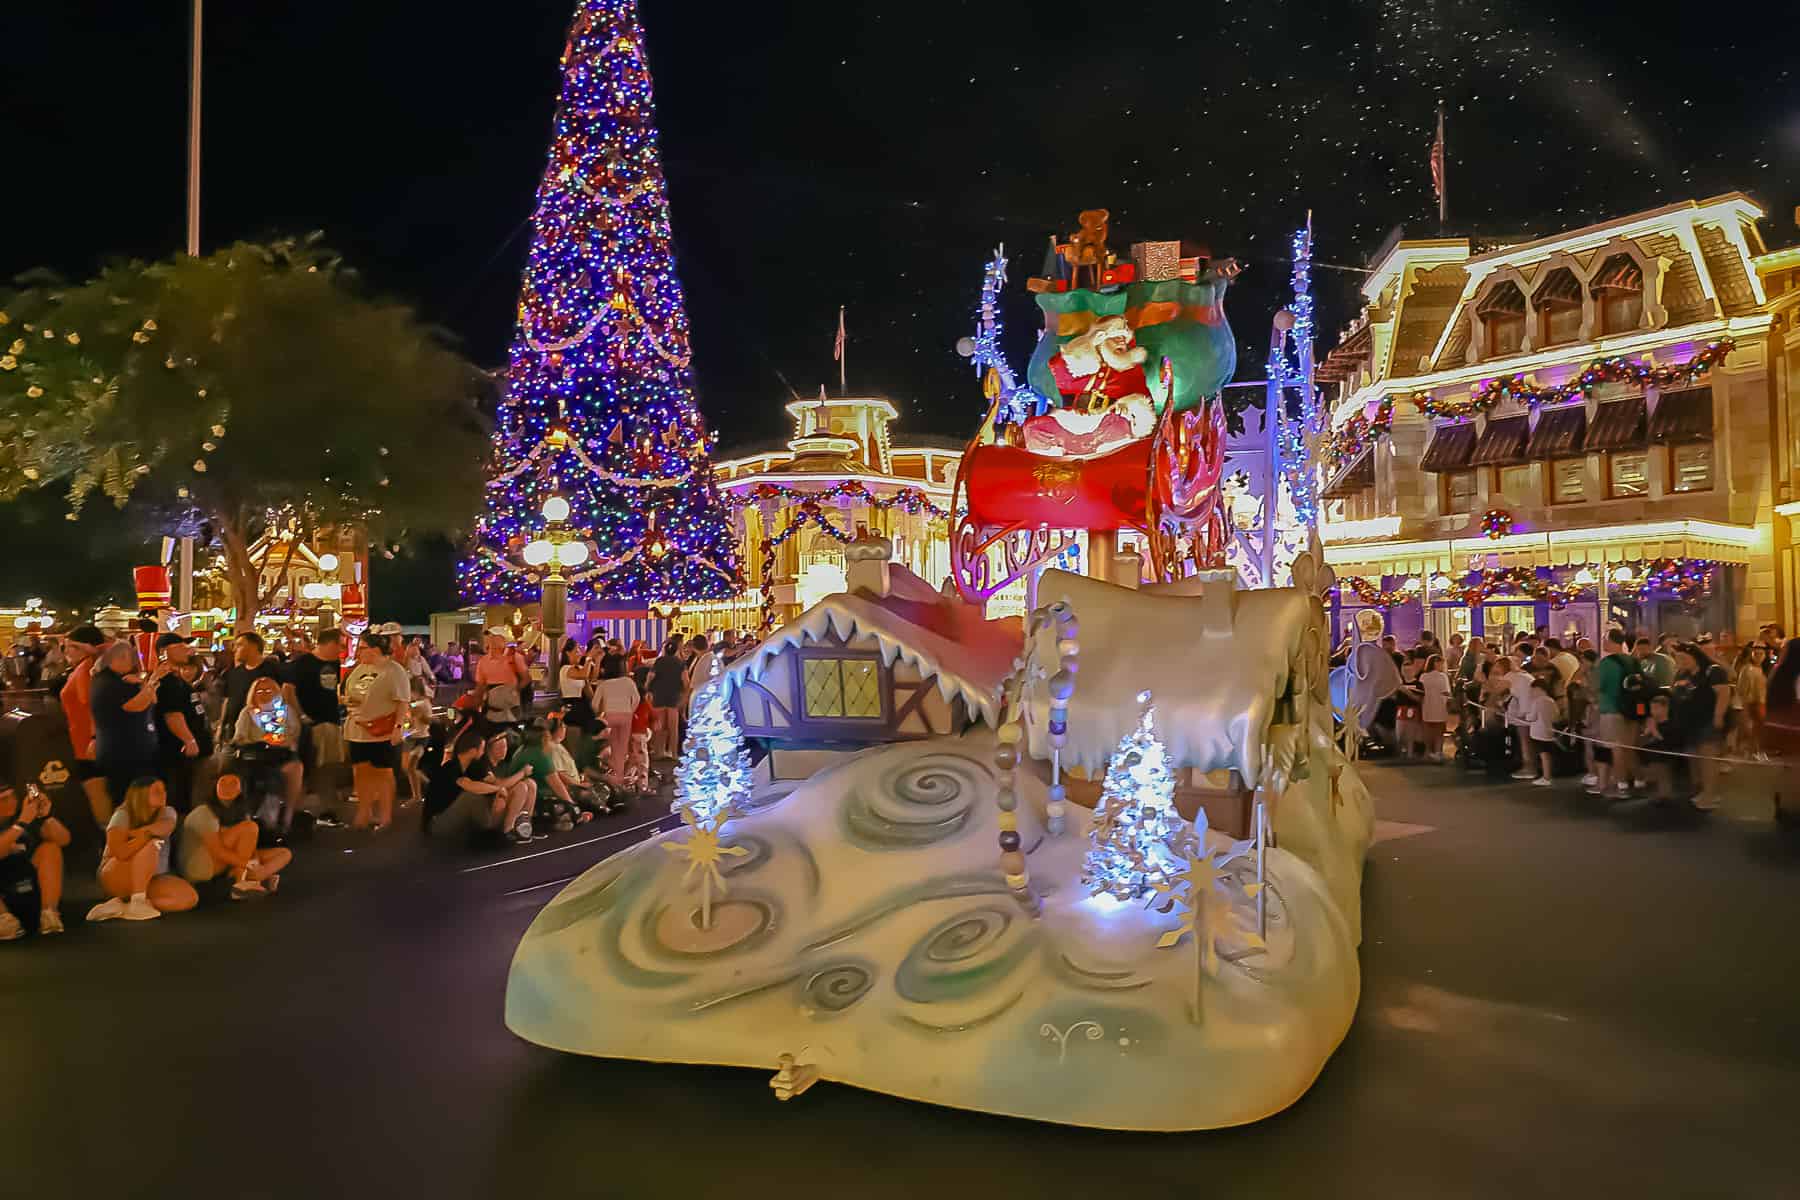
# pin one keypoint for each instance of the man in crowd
(1566, 664)
(1615, 727)
(312, 678)
(182, 738)
(1658, 666)
(80, 647)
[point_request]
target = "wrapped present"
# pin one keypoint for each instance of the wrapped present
(1156, 260)
(1188, 270)
(1118, 274)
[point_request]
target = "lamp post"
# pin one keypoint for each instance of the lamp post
(558, 547)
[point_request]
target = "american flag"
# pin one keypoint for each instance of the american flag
(837, 345)
(1437, 164)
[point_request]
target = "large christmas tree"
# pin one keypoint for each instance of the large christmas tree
(599, 405)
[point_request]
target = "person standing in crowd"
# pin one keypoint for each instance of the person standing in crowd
(1750, 699)
(82, 645)
(1615, 677)
(1538, 723)
(572, 686)
(1658, 666)
(312, 679)
(1434, 706)
(251, 664)
(218, 842)
(617, 699)
(124, 728)
(378, 695)
(1519, 707)
(1565, 662)
(134, 867)
(699, 668)
(31, 856)
(182, 739)
(1453, 654)
(1702, 708)
(665, 699)
(501, 677)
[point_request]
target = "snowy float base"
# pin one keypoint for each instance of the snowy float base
(867, 930)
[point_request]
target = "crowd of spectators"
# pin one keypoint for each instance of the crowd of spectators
(1662, 718)
(201, 769)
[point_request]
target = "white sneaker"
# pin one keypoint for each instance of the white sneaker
(107, 910)
(49, 921)
(1590, 781)
(1705, 803)
(10, 929)
(1541, 781)
(140, 909)
(1524, 774)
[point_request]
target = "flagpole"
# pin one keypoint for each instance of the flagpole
(843, 355)
(1443, 174)
(184, 576)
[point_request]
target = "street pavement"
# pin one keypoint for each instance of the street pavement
(1556, 1002)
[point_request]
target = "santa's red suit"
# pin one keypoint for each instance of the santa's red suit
(1108, 383)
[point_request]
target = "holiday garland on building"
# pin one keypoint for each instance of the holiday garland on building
(1689, 580)
(599, 404)
(911, 501)
(1344, 443)
(1489, 394)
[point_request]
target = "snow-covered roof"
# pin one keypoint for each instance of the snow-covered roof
(1215, 660)
(941, 637)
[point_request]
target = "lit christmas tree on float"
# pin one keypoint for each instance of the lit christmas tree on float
(599, 406)
(1131, 847)
(714, 771)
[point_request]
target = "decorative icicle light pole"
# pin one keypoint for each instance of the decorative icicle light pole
(1292, 439)
(1010, 747)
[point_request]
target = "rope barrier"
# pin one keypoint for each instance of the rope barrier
(1777, 761)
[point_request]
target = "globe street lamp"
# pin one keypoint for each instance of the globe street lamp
(558, 547)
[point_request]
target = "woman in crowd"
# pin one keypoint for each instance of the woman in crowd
(378, 695)
(470, 799)
(1781, 730)
(665, 699)
(134, 867)
(266, 740)
(31, 855)
(124, 728)
(572, 684)
(1537, 727)
(218, 842)
(1749, 699)
(617, 698)
(1701, 706)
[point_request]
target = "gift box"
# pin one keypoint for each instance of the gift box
(1156, 260)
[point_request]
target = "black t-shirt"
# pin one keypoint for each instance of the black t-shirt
(120, 736)
(1695, 699)
(238, 681)
(444, 782)
(665, 681)
(175, 695)
(315, 683)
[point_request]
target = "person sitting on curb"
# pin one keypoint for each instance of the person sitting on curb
(31, 855)
(555, 806)
(218, 843)
(469, 801)
(134, 868)
(583, 794)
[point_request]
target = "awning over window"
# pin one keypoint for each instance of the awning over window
(1683, 416)
(1619, 425)
(1502, 443)
(1558, 434)
(1356, 477)
(1450, 448)
(1620, 271)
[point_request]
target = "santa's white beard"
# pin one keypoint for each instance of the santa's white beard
(1122, 358)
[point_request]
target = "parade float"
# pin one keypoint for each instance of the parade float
(1097, 866)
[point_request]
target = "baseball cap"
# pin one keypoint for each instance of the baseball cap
(171, 639)
(86, 635)
(390, 628)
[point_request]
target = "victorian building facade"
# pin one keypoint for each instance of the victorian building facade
(1569, 431)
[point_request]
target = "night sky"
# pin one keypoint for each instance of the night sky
(873, 154)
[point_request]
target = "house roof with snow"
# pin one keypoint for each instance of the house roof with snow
(939, 636)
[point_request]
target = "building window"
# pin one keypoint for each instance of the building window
(1568, 480)
(1628, 474)
(1691, 467)
(1619, 289)
(842, 689)
(1502, 313)
(1557, 302)
(1459, 491)
(1514, 484)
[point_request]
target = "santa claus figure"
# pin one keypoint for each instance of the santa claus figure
(1106, 397)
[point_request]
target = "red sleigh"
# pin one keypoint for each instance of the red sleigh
(1015, 510)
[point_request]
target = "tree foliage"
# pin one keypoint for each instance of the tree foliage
(252, 385)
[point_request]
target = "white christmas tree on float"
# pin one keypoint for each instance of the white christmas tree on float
(714, 769)
(1131, 849)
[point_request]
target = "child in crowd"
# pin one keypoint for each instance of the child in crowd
(218, 843)
(1537, 721)
(1434, 706)
(1660, 735)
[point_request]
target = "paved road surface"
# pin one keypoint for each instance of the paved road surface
(1555, 1004)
